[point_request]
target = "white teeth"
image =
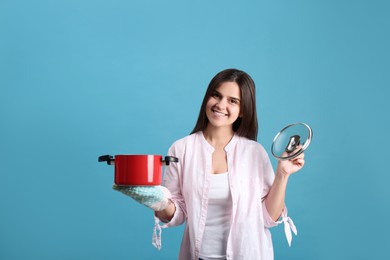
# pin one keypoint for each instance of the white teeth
(219, 113)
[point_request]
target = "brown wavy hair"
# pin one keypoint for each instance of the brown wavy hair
(246, 125)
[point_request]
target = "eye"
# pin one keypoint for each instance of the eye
(215, 95)
(234, 101)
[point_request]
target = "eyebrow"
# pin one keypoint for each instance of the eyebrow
(219, 93)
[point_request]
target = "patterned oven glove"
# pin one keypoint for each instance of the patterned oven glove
(154, 197)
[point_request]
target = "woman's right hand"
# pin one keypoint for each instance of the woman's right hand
(154, 197)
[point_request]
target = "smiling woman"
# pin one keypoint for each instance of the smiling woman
(79, 78)
(223, 108)
(246, 123)
(224, 187)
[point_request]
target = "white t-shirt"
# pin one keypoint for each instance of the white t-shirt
(218, 218)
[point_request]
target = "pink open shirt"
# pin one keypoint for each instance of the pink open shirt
(250, 178)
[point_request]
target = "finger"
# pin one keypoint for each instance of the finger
(299, 162)
(301, 156)
(296, 149)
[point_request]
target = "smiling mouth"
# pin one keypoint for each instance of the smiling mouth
(218, 113)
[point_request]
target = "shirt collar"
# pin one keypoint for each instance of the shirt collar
(211, 149)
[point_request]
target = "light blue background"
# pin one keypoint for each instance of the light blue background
(79, 79)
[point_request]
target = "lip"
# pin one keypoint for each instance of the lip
(218, 113)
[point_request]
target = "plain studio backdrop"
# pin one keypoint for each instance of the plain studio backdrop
(79, 79)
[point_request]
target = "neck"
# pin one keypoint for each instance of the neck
(218, 137)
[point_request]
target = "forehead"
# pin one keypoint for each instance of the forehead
(229, 89)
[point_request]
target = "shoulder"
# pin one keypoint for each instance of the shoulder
(251, 146)
(182, 143)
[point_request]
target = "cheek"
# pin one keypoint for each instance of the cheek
(236, 111)
(210, 103)
(208, 107)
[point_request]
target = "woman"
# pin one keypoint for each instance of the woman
(224, 186)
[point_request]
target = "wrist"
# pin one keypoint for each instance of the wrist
(282, 175)
(166, 214)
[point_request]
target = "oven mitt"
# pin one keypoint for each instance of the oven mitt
(154, 197)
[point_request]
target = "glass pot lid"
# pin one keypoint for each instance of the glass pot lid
(291, 141)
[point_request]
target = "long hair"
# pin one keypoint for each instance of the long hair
(246, 125)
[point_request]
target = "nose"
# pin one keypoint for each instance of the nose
(222, 103)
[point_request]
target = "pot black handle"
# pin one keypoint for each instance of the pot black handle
(107, 158)
(169, 159)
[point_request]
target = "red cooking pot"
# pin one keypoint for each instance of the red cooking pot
(138, 170)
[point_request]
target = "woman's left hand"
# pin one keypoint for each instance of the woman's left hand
(288, 167)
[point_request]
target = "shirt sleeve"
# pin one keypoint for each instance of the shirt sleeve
(269, 177)
(172, 181)
(268, 221)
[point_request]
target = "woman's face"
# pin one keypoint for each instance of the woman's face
(223, 106)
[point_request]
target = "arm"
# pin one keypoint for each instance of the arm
(274, 201)
(167, 214)
(175, 213)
